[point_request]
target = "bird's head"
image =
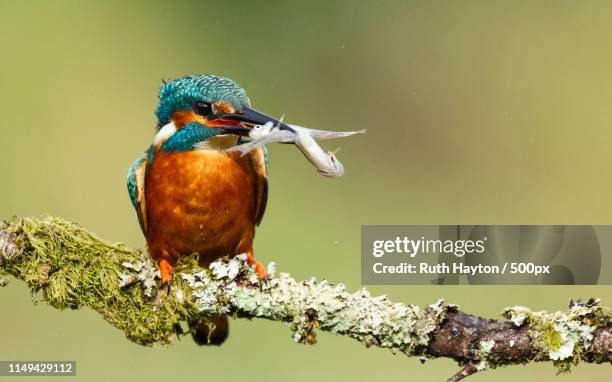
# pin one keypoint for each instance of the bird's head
(216, 104)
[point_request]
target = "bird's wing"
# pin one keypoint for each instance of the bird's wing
(136, 189)
(259, 157)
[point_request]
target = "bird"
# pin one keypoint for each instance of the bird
(193, 196)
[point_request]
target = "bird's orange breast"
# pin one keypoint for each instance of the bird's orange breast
(200, 201)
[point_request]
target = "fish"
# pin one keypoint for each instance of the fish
(326, 163)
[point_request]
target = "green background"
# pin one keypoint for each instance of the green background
(478, 112)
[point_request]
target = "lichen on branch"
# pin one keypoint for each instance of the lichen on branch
(68, 267)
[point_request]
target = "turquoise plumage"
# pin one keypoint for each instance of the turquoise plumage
(180, 94)
(188, 137)
(135, 185)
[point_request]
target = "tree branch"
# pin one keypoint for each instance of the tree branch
(72, 268)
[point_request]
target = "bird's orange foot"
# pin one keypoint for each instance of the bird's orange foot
(259, 267)
(166, 271)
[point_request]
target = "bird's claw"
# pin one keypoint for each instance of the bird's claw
(263, 284)
(166, 271)
(167, 285)
(260, 269)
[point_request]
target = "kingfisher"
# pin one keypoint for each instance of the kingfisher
(190, 194)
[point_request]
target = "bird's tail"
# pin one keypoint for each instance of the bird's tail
(211, 331)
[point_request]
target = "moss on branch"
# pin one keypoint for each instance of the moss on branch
(70, 268)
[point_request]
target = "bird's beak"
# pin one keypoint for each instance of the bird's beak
(241, 122)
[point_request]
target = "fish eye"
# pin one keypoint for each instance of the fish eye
(203, 108)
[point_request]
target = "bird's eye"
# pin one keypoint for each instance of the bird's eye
(203, 108)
